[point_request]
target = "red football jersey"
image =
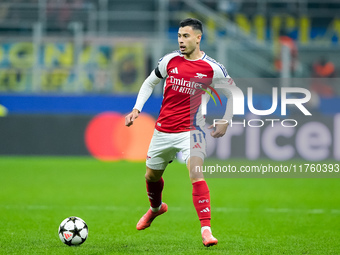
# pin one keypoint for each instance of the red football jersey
(184, 84)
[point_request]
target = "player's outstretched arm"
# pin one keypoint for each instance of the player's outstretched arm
(143, 95)
(131, 117)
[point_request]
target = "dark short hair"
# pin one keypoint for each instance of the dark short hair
(194, 23)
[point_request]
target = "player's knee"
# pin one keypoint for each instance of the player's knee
(153, 176)
(149, 178)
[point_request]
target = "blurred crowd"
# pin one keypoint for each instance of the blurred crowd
(59, 14)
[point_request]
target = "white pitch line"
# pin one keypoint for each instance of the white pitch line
(290, 210)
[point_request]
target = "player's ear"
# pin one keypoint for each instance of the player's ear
(199, 37)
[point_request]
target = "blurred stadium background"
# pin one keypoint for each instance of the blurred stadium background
(64, 62)
(71, 69)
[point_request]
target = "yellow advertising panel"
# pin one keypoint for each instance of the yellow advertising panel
(129, 68)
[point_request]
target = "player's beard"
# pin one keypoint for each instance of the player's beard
(188, 53)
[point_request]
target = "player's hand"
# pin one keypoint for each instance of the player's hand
(220, 130)
(131, 117)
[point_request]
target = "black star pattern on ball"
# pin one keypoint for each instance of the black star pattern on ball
(73, 219)
(62, 229)
(75, 231)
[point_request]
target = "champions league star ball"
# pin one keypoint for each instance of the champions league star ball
(73, 231)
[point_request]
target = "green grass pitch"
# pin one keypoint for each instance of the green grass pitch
(249, 215)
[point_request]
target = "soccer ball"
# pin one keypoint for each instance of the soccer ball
(73, 231)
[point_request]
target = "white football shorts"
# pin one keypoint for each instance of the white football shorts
(164, 147)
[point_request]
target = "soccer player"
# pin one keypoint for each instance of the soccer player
(180, 124)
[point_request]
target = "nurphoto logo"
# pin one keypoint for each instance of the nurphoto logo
(238, 104)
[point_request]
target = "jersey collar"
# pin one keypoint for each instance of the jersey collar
(195, 59)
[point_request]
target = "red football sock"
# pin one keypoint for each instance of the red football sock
(154, 190)
(201, 199)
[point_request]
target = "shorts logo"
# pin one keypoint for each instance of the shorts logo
(148, 157)
(159, 124)
(197, 146)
